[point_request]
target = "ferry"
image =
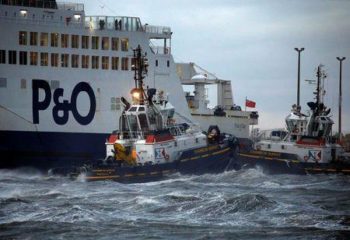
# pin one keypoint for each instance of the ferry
(151, 143)
(306, 146)
(62, 76)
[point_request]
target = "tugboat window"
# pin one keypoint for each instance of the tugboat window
(132, 119)
(143, 122)
(152, 116)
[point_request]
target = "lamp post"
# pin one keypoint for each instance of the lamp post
(340, 59)
(299, 50)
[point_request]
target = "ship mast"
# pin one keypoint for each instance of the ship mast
(321, 76)
(140, 68)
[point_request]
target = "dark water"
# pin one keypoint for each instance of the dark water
(234, 205)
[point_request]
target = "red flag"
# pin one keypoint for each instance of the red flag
(249, 103)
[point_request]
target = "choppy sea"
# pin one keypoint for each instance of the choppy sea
(245, 204)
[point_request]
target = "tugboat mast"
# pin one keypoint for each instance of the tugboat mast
(140, 67)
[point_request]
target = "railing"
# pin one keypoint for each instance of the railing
(44, 4)
(131, 24)
(158, 29)
(161, 50)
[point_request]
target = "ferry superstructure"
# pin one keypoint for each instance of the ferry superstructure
(229, 116)
(62, 76)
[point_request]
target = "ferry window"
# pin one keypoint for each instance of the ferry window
(23, 83)
(22, 58)
(117, 103)
(85, 42)
(3, 82)
(75, 41)
(94, 62)
(44, 59)
(44, 39)
(64, 60)
(168, 63)
(105, 43)
(124, 44)
(75, 61)
(12, 57)
(115, 44)
(2, 56)
(85, 61)
(115, 63)
(64, 40)
(33, 58)
(22, 38)
(94, 42)
(54, 39)
(33, 38)
(125, 63)
(54, 59)
(105, 61)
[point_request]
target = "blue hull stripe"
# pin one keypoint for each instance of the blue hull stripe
(46, 150)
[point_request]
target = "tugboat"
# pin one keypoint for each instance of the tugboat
(305, 147)
(150, 144)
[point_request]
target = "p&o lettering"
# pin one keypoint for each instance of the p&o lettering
(60, 111)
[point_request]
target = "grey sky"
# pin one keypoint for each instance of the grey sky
(252, 43)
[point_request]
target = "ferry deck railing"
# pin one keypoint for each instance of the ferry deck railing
(120, 23)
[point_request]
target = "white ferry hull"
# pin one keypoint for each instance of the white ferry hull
(54, 115)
